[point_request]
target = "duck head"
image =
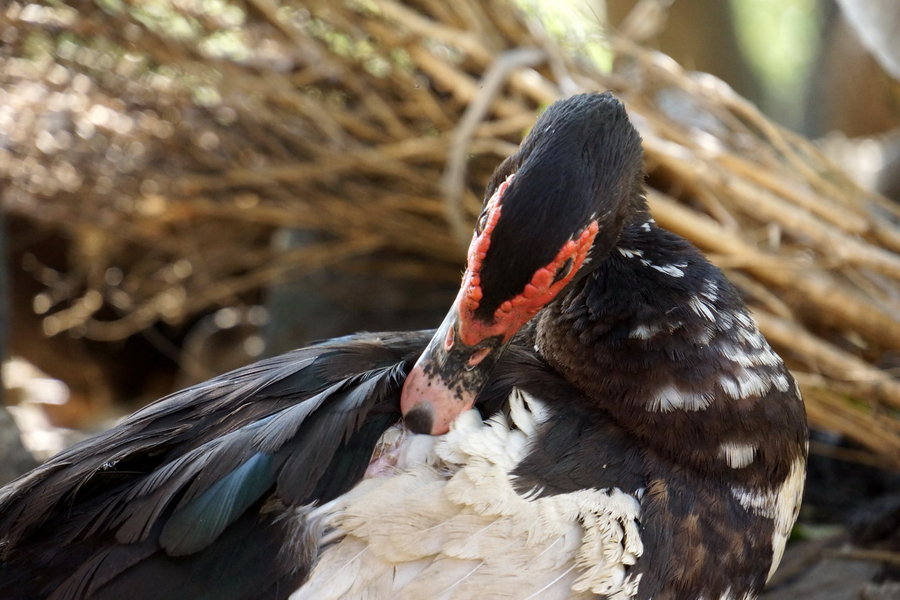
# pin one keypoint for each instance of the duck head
(551, 211)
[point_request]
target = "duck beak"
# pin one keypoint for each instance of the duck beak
(447, 377)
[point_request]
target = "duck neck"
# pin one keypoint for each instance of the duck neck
(656, 337)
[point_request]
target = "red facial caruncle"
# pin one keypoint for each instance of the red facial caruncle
(545, 284)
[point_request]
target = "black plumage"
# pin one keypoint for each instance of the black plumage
(653, 379)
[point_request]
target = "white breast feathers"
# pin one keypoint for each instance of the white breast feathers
(444, 522)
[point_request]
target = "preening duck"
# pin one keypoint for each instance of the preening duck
(597, 416)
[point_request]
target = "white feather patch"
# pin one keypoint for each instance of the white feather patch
(710, 290)
(674, 270)
(788, 507)
(737, 455)
(752, 382)
(756, 366)
(781, 504)
(670, 270)
(757, 357)
(645, 331)
(669, 398)
(457, 529)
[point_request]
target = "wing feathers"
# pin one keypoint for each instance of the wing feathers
(176, 477)
(195, 525)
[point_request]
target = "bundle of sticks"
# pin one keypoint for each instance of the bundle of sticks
(168, 145)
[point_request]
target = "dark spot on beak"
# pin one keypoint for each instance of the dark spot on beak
(420, 418)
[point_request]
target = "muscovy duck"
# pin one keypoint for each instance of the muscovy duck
(606, 421)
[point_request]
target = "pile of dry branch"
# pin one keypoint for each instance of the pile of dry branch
(169, 141)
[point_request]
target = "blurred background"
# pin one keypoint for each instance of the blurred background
(190, 185)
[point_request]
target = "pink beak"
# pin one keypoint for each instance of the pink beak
(447, 378)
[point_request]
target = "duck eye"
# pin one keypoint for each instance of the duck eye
(563, 271)
(482, 221)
